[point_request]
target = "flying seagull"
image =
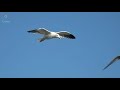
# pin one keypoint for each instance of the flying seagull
(115, 59)
(49, 35)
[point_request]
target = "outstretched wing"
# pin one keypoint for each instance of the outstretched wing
(115, 59)
(40, 31)
(66, 34)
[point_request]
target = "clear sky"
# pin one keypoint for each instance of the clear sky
(96, 44)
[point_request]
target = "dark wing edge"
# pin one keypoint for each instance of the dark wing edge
(70, 36)
(67, 35)
(33, 31)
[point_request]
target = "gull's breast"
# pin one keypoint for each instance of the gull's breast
(51, 35)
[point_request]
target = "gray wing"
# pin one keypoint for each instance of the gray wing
(40, 31)
(66, 34)
(115, 59)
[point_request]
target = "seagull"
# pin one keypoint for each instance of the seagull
(49, 35)
(115, 59)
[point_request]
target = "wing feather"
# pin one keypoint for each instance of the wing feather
(40, 31)
(66, 34)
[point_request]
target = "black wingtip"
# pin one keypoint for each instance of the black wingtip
(103, 68)
(28, 31)
(32, 31)
(72, 36)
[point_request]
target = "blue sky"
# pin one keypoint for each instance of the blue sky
(96, 44)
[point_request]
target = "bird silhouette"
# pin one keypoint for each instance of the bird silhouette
(115, 59)
(49, 35)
